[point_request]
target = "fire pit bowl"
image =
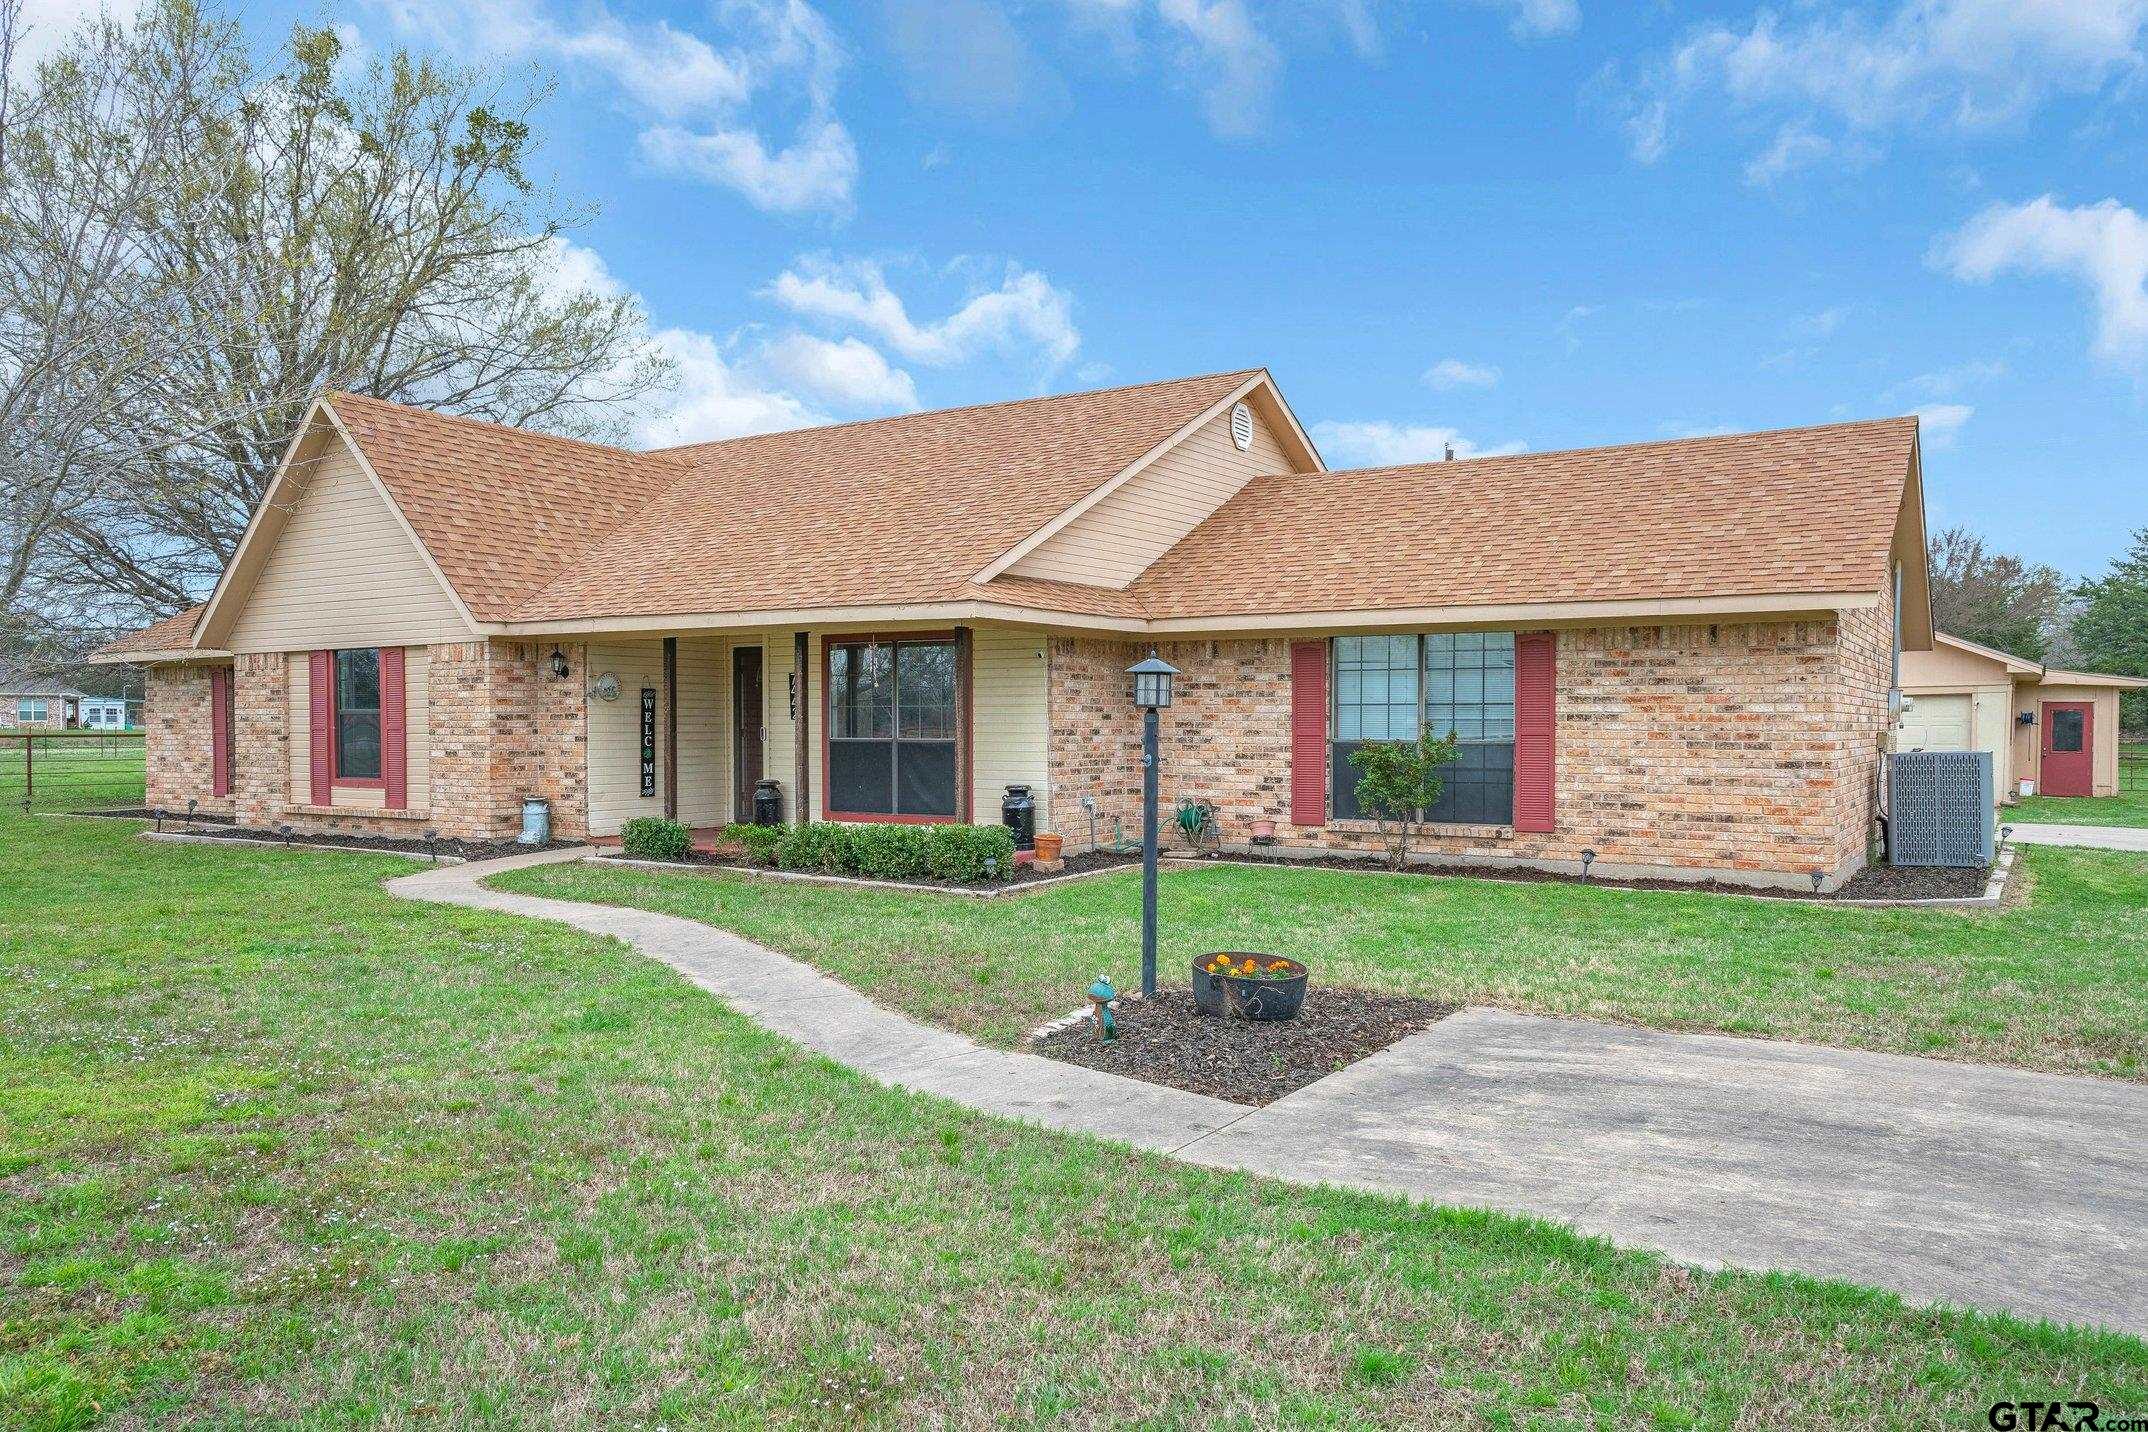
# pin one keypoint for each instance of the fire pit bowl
(1242, 985)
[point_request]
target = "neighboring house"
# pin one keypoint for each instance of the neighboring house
(107, 713)
(2049, 730)
(1678, 656)
(41, 708)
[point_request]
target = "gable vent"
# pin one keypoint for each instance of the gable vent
(1242, 426)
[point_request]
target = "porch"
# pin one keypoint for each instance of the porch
(896, 723)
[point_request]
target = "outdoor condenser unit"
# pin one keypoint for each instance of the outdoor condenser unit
(1943, 809)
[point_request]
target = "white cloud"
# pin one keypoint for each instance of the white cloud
(703, 92)
(850, 374)
(1380, 444)
(1945, 383)
(1454, 373)
(1969, 65)
(1569, 327)
(1821, 324)
(1537, 19)
(1234, 63)
(1025, 315)
(2103, 247)
(818, 171)
(713, 397)
(1941, 423)
(47, 24)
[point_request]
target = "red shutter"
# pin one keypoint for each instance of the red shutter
(394, 754)
(322, 710)
(219, 731)
(1308, 733)
(1536, 683)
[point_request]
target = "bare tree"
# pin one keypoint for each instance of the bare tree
(265, 237)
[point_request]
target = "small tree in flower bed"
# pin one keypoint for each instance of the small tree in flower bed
(1398, 781)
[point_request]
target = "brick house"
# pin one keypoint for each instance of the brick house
(1680, 655)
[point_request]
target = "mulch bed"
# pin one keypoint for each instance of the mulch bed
(1165, 1040)
(1025, 874)
(1876, 882)
(389, 844)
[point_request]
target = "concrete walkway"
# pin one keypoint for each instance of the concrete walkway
(1946, 1182)
(2098, 837)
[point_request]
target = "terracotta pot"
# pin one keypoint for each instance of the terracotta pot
(1263, 832)
(1049, 846)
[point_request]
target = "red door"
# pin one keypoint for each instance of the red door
(2069, 747)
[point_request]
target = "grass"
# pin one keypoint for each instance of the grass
(2058, 982)
(274, 1147)
(71, 772)
(2128, 807)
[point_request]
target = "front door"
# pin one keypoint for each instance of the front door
(2069, 748)
(749, 737)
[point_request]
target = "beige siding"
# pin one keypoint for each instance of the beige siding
(704, 724)
(615, 734)
(1116, 540)
(780, 761)
(1008, 675)
(417, 733)
(343, 572)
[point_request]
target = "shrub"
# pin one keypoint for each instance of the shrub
(1398, 781)
(889, 852)
(653, 838)
(959, 852)
(758, 841)
(818, 845)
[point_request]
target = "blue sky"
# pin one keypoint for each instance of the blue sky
(1544, 224)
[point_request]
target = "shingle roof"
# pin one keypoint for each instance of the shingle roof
(1799, 510)
(891, 511)
(174, 633)
(904, 510)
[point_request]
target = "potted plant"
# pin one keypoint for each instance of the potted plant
(1049, 847)
(1248, 986)
(1264, 832)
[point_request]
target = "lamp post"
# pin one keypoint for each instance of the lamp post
(1152, 692)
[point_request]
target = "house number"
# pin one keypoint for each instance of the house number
(648, 741)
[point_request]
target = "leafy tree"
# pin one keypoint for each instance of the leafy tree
(316, 225)
(1994, 598)
(2110, 631)
(1398, 781)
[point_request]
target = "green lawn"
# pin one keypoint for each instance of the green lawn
(2128, 807)
(274, 1147)
(71, 772)
(2057, 982)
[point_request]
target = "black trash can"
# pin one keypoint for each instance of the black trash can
(1018, 811)
(768, 803)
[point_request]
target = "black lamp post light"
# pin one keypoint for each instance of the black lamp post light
(1152, 692)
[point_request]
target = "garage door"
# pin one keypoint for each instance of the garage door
(1937, 723)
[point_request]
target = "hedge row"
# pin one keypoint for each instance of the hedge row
(971, 854)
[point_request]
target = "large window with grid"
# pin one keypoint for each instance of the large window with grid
(892, 729)
(1389, 688)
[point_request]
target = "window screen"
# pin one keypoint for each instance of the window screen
(891, 728)
(358, 714)
(2068, 731)
(1388, 688)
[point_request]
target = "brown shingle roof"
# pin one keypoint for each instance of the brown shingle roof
(174, 633)
(891, 511)
(1799, 510)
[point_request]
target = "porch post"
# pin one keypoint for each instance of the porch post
(671, 728)
(801, 728)
(965, 699)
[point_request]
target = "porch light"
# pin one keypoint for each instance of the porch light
(1152, 682)
(559, 663)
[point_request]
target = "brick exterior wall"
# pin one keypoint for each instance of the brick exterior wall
(500, 726)
(1748, 751)
(179, 739)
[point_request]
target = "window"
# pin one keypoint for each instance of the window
(357, 715)
(29, 713)
(1388, 688)
(2068, 731)
(892, 729)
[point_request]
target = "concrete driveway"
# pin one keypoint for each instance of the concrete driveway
(2095, 837)
(1948, 1182)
